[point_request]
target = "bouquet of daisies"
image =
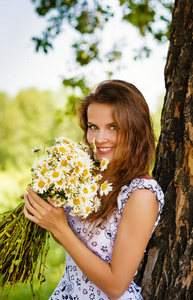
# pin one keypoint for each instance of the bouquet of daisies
(68, 175)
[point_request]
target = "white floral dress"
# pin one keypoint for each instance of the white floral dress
(74, 285)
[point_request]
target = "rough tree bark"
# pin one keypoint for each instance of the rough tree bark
(167, 269)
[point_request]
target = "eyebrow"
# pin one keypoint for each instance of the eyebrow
(113, 123)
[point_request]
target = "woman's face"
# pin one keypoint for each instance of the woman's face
(102, 130)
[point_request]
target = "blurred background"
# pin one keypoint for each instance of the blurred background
(36, 98)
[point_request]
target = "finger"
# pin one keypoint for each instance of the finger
(34, 202)
(33, 195)
(26, 213)
(50, 201)
(30, 208)
(29, 216)
(22, 196)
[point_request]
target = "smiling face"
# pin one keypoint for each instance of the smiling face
(102, 130)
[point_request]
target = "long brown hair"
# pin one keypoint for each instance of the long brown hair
(134, 154)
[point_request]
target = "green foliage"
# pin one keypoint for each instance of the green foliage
(79, 89)
(86, 52)
(140, 14)
(144, 14)
(5, 129)
(77, 82)
(31, 119)
(113, 55)
(83, 16)
(12, 184)
(88, 18)
(156, 119)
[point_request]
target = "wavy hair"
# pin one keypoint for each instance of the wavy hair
(134, 154)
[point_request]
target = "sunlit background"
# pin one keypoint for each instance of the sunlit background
(32, 99)
(22, 68)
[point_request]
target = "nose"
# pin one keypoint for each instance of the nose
(101, 136)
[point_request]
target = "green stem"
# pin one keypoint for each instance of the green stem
(23, 245)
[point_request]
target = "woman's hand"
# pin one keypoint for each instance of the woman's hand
(44, 214)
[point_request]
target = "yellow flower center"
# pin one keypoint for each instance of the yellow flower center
(44, 170)
(60, 182)
(57, 202)
(55, 174)
(73, 181)
(76, 201)
(87, 209)
(85, 173)
(104, 186)
(83, 199)
(103, 163)
(63, 163)
(65, 141)
(85, 190)
(62, 149)
(77, 170)
(41, 184)
(93, 188)
(79, 163)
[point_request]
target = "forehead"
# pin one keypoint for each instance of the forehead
(99, 111)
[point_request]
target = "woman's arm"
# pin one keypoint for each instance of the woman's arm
(133, 234)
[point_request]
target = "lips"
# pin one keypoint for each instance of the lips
(104, 150)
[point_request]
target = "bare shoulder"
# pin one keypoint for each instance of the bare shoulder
(141, 207)
(143, 195)
(143, 198)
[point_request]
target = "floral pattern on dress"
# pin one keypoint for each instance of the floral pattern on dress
(74, 284)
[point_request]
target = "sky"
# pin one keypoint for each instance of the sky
(21, 67)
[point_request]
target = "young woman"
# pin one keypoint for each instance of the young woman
(105, 250)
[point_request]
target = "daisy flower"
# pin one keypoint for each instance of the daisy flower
(94, 146)
(36, 149)
(59, 184)
(55, 175)
(97, 203)
(98, 177)
(40, 185)
(104, 163)
(85, 190)
(67, 172)
(105, 188)
(59, 202)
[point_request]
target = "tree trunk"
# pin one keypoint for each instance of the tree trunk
(167, 269)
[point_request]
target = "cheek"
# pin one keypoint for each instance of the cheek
(89, 136)
(116, 138)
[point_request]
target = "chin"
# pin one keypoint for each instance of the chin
(105, 156)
